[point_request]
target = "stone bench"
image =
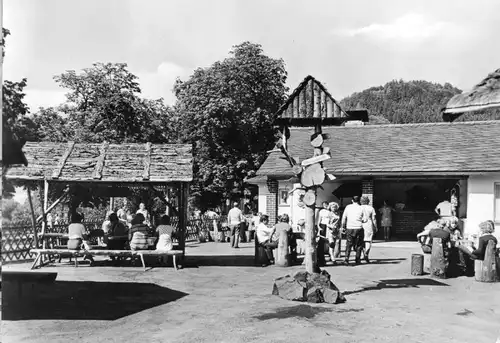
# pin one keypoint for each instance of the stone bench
(104, 252)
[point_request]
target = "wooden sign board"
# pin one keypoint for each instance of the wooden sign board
(316, 159)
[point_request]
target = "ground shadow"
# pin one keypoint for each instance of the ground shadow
(87, 300)
(387, 260)
(398, 283)
(193, 261)
(302, 311)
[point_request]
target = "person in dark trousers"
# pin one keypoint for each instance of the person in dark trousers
(234, 221)
(264, 235)
(352, 220)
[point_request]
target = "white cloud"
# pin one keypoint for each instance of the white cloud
(411, 26)
(159, 84)
(36, 98)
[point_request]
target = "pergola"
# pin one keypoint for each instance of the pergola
(110, 168)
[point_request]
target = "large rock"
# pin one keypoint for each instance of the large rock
(303, 286)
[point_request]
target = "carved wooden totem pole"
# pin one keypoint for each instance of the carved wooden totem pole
(311, 175)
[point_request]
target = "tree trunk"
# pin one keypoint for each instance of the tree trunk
(310, 257)
(283, 254)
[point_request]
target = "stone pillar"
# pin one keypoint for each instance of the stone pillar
(272, 201)
(367, 189)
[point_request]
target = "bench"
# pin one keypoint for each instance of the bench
(104, 252)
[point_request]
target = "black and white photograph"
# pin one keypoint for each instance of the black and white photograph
(226, 171)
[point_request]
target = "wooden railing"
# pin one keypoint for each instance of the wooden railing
(18, 239)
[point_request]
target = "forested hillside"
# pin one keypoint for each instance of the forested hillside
(404, 102)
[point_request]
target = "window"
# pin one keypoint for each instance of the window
(497, 203)
(284, 198)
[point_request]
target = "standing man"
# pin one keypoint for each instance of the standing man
(234, 221)
(352, 220)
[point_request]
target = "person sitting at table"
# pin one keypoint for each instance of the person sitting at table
(77, 234)
(165, 234)
(284, 225)
(264, 235)
(139, 233)
(116, 235)
(435, 229)
(486, 230)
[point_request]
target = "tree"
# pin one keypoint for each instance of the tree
(103, 105)
(226, 111)
(403, 102)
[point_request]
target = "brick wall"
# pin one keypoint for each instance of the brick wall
(367, 189)
(272, 201)
(410, 223)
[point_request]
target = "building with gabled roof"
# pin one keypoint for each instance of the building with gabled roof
(413, 165)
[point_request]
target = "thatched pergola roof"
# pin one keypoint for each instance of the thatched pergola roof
(485, 94)
(106, 163)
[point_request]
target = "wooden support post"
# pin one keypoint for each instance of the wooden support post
(44, 208)
(33, 221)
(183, 217)
(487, 269)
(438, 260)
(283, 259)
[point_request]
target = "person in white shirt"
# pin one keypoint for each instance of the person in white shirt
(234, 220)
(144, 212)
(264, 235)
(323, 221)
(352, 220)
(211, 214)
(444, 209)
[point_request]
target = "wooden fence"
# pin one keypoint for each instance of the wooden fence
(18, 239)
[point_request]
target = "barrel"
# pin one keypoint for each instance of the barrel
(417, 264)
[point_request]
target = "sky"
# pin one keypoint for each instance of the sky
(347, 45)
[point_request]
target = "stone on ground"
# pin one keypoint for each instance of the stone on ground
(313, 288)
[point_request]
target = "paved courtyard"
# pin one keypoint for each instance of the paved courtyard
(221, 297)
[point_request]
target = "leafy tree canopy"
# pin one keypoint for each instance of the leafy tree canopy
(227, 111)
(104, 104)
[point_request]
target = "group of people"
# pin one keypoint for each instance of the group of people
(459, 256)
(122, 230)
(358, 222)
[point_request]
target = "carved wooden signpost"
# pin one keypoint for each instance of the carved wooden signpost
(311, 175)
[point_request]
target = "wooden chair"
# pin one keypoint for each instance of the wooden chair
(487, 270)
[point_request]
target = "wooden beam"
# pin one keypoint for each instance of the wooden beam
(322, 111)
(329, 107)
(311, 99)
(336, 111)
(147, 162)
(165, 200)
(296, 106)
(303, 103)
(33, 221)
(317, 100)
(62, 161)
(51, 207)
(316, 159)
(97, 174)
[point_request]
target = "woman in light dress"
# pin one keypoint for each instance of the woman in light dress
(369, 227)
(386, 220)
(333, 232)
